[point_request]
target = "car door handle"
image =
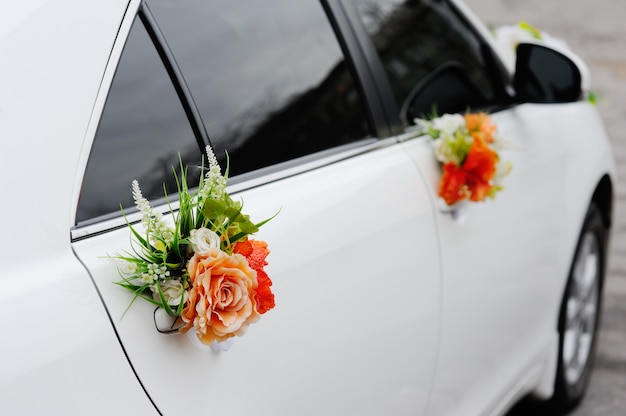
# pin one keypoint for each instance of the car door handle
(459, 211)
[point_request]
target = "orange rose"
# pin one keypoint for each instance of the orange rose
(452, 187)
(478, 189)
(481, 161)
(480, 165)
(473, 179)
(255, 252)
(221, 301)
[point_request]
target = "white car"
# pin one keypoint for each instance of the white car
(388, 300)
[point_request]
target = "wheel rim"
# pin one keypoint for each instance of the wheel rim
(581, 309)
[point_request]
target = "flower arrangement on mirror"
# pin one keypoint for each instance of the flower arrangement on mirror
(203, 271)
(508, 37)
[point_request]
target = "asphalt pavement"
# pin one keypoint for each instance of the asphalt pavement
(595, 31)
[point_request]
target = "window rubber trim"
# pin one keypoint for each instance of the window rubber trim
(374, 67)
(176, 76)
(353, 54)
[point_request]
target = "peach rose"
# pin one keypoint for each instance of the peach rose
(221, 301)
(480, 126)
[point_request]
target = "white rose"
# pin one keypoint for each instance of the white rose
(203, 239)
(172, 292)
(449, 123)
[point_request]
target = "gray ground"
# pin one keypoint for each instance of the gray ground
(596, 31)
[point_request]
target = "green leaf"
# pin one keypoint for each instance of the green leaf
(164, 303)
(213, 208)
(530, 29)
(495, 189)
(246, 225)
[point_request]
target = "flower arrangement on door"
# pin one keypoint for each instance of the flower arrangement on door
(204, 270)
(467, 146)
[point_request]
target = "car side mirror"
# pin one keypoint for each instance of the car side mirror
(544, 75)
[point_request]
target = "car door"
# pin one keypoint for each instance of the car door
(501, 258)
(356, 325)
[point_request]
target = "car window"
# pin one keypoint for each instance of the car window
(270, 81)
(142, 130)
(433, 59)
(271, 85)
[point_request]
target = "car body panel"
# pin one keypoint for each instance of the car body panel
(491, 253)
(59, 351)
(517, 251)
(348, 293)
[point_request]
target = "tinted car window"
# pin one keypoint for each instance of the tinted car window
(432, 58)
(269, 78)
(142, 130)
(270, 81)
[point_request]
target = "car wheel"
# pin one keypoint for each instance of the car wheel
(580, 312)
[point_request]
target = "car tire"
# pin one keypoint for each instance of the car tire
(579, 316)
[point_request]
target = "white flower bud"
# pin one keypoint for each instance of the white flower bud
(203, 239)
(449, 123)
(172, 292)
